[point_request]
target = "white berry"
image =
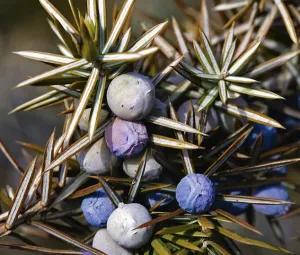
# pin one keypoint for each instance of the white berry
(122, 223)
(131, 96)
(152, 169)
(103, 242)
(97, 158)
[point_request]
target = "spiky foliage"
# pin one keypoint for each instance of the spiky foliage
(90, 59)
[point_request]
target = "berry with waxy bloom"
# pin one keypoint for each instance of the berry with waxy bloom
(234, 208)
(85, 118)
(103, 242)
(126, 138)
(269, 134)
(97, 158)
(131, 96)
(123, 221)
(152, 169)
(195, 193)
(275, 192)
(153, 197)
(96, 208)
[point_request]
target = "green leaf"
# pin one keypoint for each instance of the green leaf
(172, 124)
(288, 22)
(181, 242)
(227, 153)
(208, 98)
(249, 241)
(20, 195)
(228, 44)
(202, 58)
(124, 41)
(260, 167)
(111, 194)
(78, 146)
(136, 181)
(249, 114)
(176, 229)
(92, 10)
(273, 63)
(238, 79)
(187, 161)
(56, 71)
(84, 99)
(33, 249)
(254, 92)
(181, 41)
(64, 237)
(157, 79)
(251, 200)
(210, 53)
(118, 26)
(230, 6)
(238, 221)
(161, 218)
(217, 247)
(239, 14)
(159, 246)
(180, 89)
(46, 57)
(47, 175)
(54, 13)
(102, 24)
(222, 91)
(229, 57)
(97, 106)
(172, 143)
(70, 188)
(74, 12)
(243, 59)
(88, 48)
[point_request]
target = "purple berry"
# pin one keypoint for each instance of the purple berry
(131, 96)
(274, 192)
(195, 193)
(126, 138)
(269, 135)
(97, 208)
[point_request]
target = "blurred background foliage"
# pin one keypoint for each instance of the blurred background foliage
(23, 26)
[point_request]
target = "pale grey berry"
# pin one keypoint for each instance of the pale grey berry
(131, 96)
(97, 158)
(103, 242)
(84, 121)
(152, 169)
(122, 223)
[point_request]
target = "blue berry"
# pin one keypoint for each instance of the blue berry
(279, 171)
(269, 135)
(151, 198)
(234, 208)
(97, 208)
(274, 192)
(195, 193)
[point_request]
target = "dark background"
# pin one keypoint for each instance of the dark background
(23, 26)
